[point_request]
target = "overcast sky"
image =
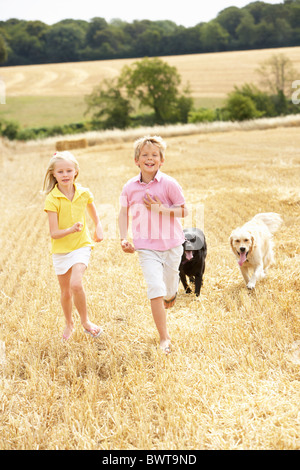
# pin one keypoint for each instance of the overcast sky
(187, 12)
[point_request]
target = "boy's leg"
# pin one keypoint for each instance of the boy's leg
(160, 319)
(151, 263)
(171, 274)
(78, 292)
(152, 267)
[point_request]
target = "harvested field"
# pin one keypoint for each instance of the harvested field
(232, 380)
(54, 94)
(209, 75)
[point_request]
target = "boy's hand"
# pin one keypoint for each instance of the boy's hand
(127, 247)
(154, 205)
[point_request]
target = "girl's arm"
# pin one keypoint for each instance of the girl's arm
(123, 228)
(56, 232)
(92, 211)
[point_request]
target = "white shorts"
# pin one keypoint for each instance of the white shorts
(161, 271)
(62, 262)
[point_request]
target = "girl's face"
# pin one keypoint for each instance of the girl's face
(64, 172)
(149, 159)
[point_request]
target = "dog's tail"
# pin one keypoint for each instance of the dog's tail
(270, 219)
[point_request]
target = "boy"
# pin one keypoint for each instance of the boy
(156, 203)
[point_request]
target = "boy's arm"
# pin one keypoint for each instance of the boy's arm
(123, 228)
(156, 205)
(92, 211)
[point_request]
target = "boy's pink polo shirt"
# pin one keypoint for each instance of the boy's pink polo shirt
(152, 231)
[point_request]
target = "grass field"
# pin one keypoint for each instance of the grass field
(232, 380)
(39, 111)
(40, 95)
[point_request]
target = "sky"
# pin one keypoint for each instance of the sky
(186, 12)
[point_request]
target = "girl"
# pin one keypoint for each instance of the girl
(71, 242)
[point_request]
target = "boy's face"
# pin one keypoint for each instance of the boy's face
(149, 160)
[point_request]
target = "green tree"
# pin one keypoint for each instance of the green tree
(64, 42)
(110, 108)
(155, 84)
(150, 82)
(214, 37)
(245, 31)
(97, 24)
(257, 10)
(28, 48)
(229, 19)
(3, 50)
(149, 43)
(37, 29)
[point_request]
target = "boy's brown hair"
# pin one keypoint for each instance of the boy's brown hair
(152, 140)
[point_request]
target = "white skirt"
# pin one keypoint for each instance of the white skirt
(62, 262)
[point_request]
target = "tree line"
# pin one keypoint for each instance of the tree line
(257, 25)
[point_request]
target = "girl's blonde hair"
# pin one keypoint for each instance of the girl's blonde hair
(50, 180)
(146, 140)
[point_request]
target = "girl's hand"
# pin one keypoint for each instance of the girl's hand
(77, 227)
(127, 247)
(98, 234)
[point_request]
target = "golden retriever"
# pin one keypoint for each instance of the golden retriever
(253, 246)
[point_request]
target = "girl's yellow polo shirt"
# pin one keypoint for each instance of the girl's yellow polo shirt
(70, 212)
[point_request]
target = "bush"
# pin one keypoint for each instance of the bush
(42, 132)
(9, 129)
(143, 120)
(240, 107)
(26, 134)
(263, 102)
(202, 115)
(280, 103)
(222, 114)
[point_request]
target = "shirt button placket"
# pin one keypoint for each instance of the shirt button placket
(72, 212)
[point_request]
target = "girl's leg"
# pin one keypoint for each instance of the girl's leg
(79, 296)
(160, 319)
(66, 302)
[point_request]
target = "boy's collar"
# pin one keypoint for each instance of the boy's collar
(157, 177)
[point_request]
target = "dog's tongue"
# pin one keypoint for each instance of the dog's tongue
(188, 255)
(242, 259)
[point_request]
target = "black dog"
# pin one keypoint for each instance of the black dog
(193, 259)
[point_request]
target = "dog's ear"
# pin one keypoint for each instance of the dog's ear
(231, 241)
(253, 243)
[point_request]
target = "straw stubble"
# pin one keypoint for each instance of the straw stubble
(232, 380)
